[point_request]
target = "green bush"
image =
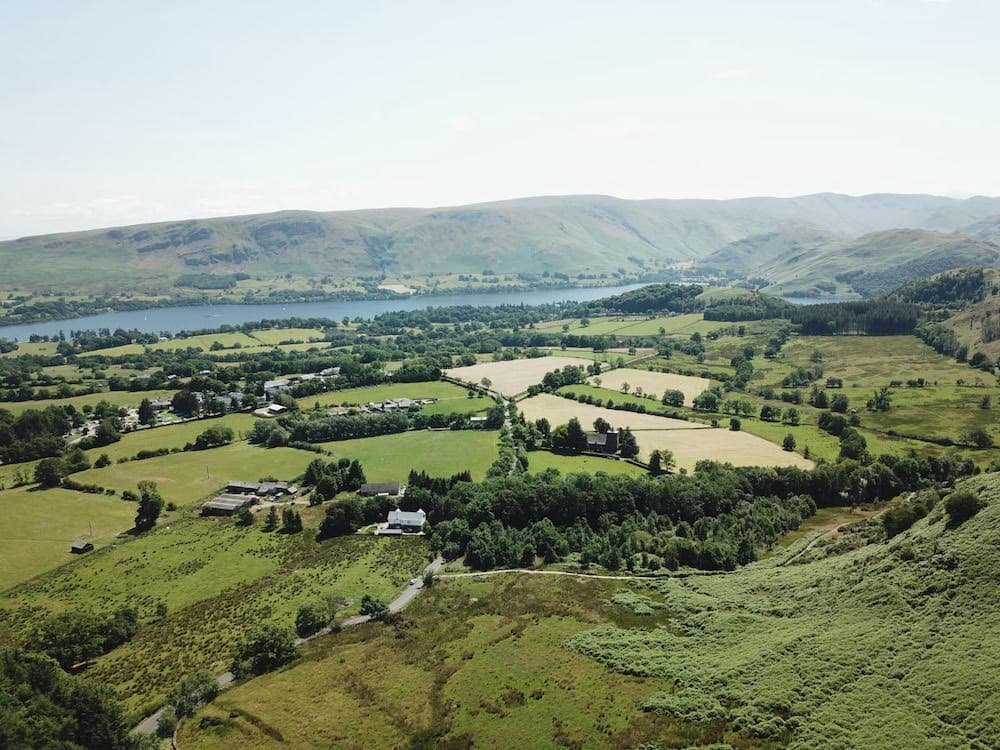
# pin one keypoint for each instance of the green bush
(961, 506)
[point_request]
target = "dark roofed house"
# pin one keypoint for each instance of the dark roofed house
(80, 546)
(379, 488)
(237, 487)
(603, 442)
(406, 521)
(275, 488)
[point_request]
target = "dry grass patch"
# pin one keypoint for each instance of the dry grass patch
(655, 383)
(690, 442)
(513, 376)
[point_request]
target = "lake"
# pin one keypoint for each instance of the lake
(196, 317)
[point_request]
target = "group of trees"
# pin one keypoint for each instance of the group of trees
(327, 478)
(42, 706)
(74, 636)
(877, 317)
(722, 513)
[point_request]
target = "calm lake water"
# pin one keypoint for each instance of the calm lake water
(174, 319)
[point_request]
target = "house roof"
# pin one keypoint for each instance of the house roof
(228, 502)
(407, 518)
(599, 438)
(81, 544)
(240, 485)
(380, 488)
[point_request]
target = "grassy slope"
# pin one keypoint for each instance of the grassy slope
(39, 526)
(890, 645)
(968, 326)
(218, 580)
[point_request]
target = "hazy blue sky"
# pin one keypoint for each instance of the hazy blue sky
(123, 112)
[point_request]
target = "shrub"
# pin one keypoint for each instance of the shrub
(311, 618)
(264, 650)
(961, 506)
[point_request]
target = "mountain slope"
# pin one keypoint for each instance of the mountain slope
(569, 234)
(875, 263)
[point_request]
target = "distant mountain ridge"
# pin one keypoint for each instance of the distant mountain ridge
(567, 234)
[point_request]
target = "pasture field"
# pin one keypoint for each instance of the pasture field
(476, 663)
(202, 341)
(39, 526)
(303, 346)
(441, 453)
(871, 361)
(175, 435)
(633, 325)
(117, 398)
(539, 461)
(512, 377)
(450, 397)
(654, 383)
(43, 348)
(218, 580)
(187, 478)
(689, 444)
(275, 336)
(807, 434)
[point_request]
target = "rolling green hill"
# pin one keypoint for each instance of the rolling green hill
(568, 234)
(875, 263)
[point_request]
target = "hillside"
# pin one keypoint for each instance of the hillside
(978, 325)
(566, 234)
(746, 255)
(875, 263)
(840, 640)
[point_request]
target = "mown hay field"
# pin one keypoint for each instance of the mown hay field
(513, 376)
(690, 442)
(654, 383)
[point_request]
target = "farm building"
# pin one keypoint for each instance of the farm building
(227, 505)
(271, 410)
(405, 521)
(274, 489)
(373, 489)
(603, 442)
(80, 546)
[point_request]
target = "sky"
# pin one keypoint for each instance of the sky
(127, 112)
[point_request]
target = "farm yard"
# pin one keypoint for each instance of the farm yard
(653, 383)
(690, 442)
(512, 377)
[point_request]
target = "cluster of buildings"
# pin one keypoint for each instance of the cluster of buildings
(280, 385)
(397, 404)
(240, 495)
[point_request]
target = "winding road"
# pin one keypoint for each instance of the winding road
(151, 723)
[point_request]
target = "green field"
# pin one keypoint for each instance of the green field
(867, 644)
(539, 461)
(450, 397)
(39, 526)
(218, 580)
(275, 336)
(117, 398)
(189, 477)
(203, 341)
(171, 436)
(441, 453)
(673, 325)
